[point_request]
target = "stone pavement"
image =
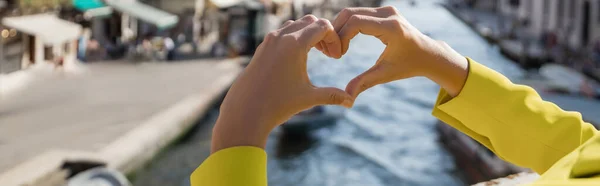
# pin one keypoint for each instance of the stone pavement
(514, 179)
(114, 109)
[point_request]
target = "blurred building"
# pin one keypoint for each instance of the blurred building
(117, 25)
(578, 21)
(139, 19)
(28, 33)
(575, 23)
(111, 25)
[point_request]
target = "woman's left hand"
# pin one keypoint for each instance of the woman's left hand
(275, 86)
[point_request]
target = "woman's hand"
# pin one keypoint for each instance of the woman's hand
(275, 86)
(409, 53)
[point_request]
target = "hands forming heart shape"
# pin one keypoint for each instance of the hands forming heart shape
(275, 85)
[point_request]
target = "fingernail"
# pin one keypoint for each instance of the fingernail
(337, 56)
(347, 103)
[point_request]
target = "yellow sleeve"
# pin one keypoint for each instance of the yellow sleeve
(512, 120)
(236, 166)
(580, 167)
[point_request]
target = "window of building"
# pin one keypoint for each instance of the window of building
(546, 8)
(560, 11)
(572, 9)
(515, 3)
(546, 15)
(48, 53)
(12, 50)
(11, 3)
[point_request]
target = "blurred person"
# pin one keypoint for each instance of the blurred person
(58, 62)
(146, 44)
(81, 48)
(146, 47)
(511, 120)
(82, 44)
(181, 39)
(94, 52)
(549, 39)
(169, 47)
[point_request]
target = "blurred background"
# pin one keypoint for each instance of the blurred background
(126, 92)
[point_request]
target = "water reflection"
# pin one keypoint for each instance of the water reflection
(292, 145)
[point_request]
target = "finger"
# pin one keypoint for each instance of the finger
(319, 46)
(287, 23)
(326, 49)
(299, 24)
(368, 25)
(323, 48)
(332, 96)
(322, 30)
(366, 80)
(346, 13)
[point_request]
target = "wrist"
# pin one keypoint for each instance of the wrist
(229, 133)
(448, 69)
(432, 58)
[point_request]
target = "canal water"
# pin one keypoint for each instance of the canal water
(387, 138)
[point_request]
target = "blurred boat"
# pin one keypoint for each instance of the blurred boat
(311, 120)
(99, 177)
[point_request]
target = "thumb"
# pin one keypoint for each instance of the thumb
(366, 80)
(332, 96)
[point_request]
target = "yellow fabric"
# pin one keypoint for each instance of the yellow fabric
(511, 120)
(518, 126)
(237, 166)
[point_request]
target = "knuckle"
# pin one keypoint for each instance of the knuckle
(271, 35)
(353, 19)
(334, 98)
(324, 23)
(345, 12)
(395, 24)
(310, 18)
(289, 39)
(389, 10)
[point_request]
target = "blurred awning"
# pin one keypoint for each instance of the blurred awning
(84, 5)
(159, 18)
(281, 1)
(251, 4)
(226, 3)
(49, 28)
(98, 12)
(92, 8)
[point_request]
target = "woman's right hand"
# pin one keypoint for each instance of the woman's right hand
(409, 53)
